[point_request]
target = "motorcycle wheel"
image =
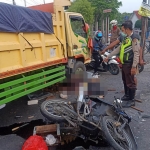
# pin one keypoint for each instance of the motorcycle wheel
(141, 68)
(53, 110)
(113, 69)
(118, 140)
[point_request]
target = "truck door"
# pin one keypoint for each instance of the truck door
(78, 37)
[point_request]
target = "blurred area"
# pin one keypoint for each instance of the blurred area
(82, 81)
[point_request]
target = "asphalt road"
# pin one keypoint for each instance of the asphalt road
(139, 125)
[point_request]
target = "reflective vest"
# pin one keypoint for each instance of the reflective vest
(126, 52)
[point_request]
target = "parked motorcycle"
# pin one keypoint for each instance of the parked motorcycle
(111, 65)
(91, 118)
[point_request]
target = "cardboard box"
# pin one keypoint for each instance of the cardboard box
(45, 130)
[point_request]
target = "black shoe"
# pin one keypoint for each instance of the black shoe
(127, 104)
(126, 96)
(131, 101)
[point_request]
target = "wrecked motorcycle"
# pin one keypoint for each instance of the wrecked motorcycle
(90, 118)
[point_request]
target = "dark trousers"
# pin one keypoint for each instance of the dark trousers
(98, 60)
(127, 78)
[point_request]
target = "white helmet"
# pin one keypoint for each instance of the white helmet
(114, 22)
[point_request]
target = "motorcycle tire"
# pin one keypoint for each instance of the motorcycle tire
(51, 116)
(109, 135)
(115, 71)
(141, 68)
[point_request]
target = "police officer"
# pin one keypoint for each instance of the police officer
(129, 56)
(97, 46)
(141, 62)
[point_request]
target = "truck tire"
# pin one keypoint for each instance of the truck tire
(79, 66)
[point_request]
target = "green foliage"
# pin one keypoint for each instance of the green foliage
(100, 5)
(84, 7)
(138, 24)
(121, 17)
(92, 10)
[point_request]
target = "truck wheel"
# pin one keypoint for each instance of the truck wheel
(79, 66)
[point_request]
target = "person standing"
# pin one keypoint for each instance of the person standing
(115, 31)
(129, 56)
(141, 61)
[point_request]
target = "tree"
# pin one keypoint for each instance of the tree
(121, 17)
(100, 5)
(84, 7)
(138, 24)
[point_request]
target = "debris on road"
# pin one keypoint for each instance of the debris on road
(49, 132)
(14, 129)
(139, 101)
(35, 98)
(143, 115)
(50, 139)
(136, 109)
(16, 117)
(2, 106)
(39, 95)
(33, 102)
(30, 117)
(101, 96)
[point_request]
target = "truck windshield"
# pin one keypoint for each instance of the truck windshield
(78, 25)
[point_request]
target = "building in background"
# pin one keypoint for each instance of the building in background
(135, 17)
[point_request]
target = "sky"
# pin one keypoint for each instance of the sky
(130, 5)
(127, 5)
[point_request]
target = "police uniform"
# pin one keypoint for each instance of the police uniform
(129, 56)
(121, 38)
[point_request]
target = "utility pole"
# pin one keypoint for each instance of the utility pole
(25, 4)
(144, 30)
(106, 30)
(106, 11)
(13, 1)
(44, 1)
